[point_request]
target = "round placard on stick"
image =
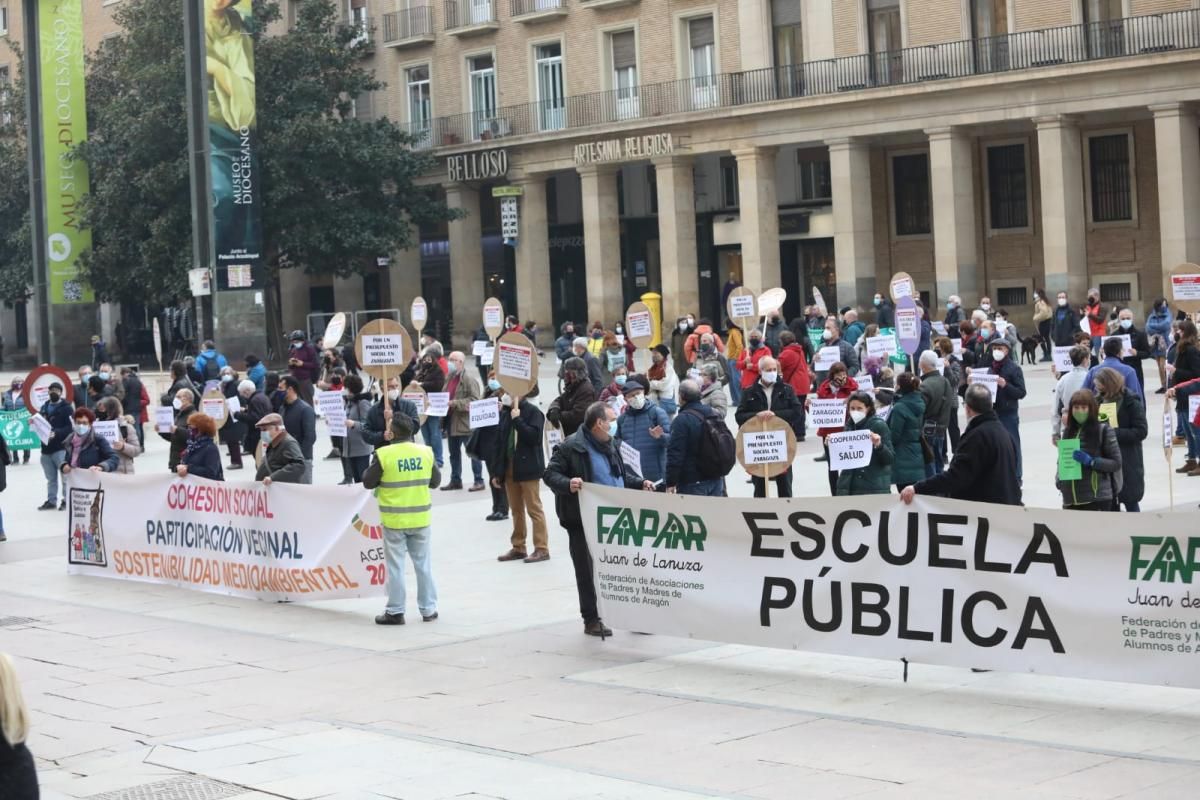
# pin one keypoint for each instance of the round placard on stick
(493, 318)
(766, 447)
(639, 324)
(418, 313)
(383, 348)
(819, 302)
(908, 324)
(771, 300)
(1185, 288)
(902, 285)
(516, 364)
(212, 403)
(334, 330)
(36, 390)
(742, 308)
(157, 343)
(415, 394)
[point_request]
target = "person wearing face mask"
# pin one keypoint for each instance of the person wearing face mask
(568, 409)
(482, 445)
(708, 355)
(201, 457)
(255, 406)
(1010, 390)
(210, 363)
(984, 467)
(356, 451)
(679, 337)
(712, 393)
(562, 345)
(1094, 313)
(56, 411)
(114, 387)
(81, 388)
(595, 342)
(184, 404)
(432, 379)
(256, 371)
(663, 382)
(233, 432)
(847, 355)
(1099, 456)
(590, 455)
(702, 332)
(981, 343)
(300, 421)
(1112, 350)
(906, 422)
(954, 312)
(876, 476)
(516, 463)
(179, 380)
(1158, 333)
(770, 397)
(748, 363)
(1064, 322)
(84, 449)
(463, 390)
(1068, 384)
(1131, 430)
(611, 357)
(646, 428)
(591, 364)
(303, 364)
(376, 431)
(282, 460)
(793, 367)
(614, 393)
(838, 385)
(771, 331)
(1141, 346)
(885, 312)
(126, 447)
(630, 348)
(132, 392)
(985, 305)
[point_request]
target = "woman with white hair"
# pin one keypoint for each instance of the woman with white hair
(18, 775)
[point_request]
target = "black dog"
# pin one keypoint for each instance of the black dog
(1029, 348)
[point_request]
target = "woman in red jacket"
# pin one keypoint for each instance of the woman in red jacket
(793, 364)
(837, 384)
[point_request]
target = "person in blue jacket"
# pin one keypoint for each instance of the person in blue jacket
(209, 363)
(201, 457)
(84, 449)
(1158, 330)
(256, 372)
(57, 412)
(645, 427)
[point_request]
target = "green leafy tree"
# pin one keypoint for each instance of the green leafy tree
(16, 255)
(337, 191)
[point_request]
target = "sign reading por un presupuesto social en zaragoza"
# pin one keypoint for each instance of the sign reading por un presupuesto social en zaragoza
(64, 127)
(233, 144)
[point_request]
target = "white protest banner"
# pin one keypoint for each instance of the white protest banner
(961, 584)
(333, 409)
(214, 407)
(825, 359)
(1126, 344)
(439, 404)
(382, 351)
(1062, 358)
(631, 457)
(478, 346)
(865, 383)
(107, 429)
(640, 325)
(164, 419)
(234, 404)
(487, 356)
(484, 413)
(849, 450)
(282, 542)
(41, 427)
(881, 346)
(764, 447)
(514, 361)
(828, 413)
(987, 379)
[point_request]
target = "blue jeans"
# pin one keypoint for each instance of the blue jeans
(1012, 423)
(431, 434)
(938, 465)
(735, 381)
(52, 468)
(1193, 440)
(415, 542)
(457, 444)
(713, 487)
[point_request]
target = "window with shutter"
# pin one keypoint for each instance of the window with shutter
(1111, 184)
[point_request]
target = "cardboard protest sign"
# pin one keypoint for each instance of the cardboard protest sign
(334, 330)
(383, 348)
(516, 363)
(766, 446)
(493, 317)
(742, 308)
(418, 313)
(902, 285)
(212, 403)
(1185, 288)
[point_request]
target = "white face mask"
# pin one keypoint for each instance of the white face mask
(827, 335)
(998, 353)
(393, 394)
(683, 326)
(177, 403)
(1062, 301)
(986, 306)
(638, 402)
(858, 416)
(506, 401)
(769, 377)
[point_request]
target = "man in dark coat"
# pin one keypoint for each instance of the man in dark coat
(132, 402)
(57, 412)
(516, 464)
(1010, 390)
(683, 448)
(885, 312)
(568, 409)
(570, 467)
(1064, 323)
(185, 406)
(282, 461)
(300, 421)
(376, 431)
(984, 467)
(770, 397)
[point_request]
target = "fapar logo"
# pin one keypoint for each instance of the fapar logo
(1163, 559)
(616, 525)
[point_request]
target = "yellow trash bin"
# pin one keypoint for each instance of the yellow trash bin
(653, 301)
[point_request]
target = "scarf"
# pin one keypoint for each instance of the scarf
(657, 371)
(77, 444)
(196, 440)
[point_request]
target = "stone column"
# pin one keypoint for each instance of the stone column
(1177, 151)
(953, 190)
(602, 243)
(677, 236)
(758, 218)
(533, 256)
(853, 221)
(1064, 232)
(466, 263)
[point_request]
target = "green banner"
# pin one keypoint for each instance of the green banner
(64, 126)
(14, 426)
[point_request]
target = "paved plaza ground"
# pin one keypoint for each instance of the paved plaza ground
(142, 691)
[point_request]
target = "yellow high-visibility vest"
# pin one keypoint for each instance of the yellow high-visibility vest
(403, 495)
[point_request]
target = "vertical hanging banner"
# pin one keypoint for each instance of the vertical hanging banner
(233, 143)
(64, 127)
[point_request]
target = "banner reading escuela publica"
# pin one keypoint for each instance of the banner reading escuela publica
(283, 542)
(940, 581)
(233, 144)
(64, 127)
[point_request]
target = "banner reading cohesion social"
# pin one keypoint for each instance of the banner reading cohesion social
(283, 542)
(64, 127)
(233, 143)
(939, 581)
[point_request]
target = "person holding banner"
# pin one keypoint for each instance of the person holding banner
(589, 455)
(126, 447)
(356, 451)
(517, 462)
(906, 422)
(483, 440)
(770, 397)
(376, 431)
(300, 421)
(876, 476)
(646, 428)
(282, 460)
(1097, 482)
(838, 386)
(201, 457)
(84, 449)
(1068, 384)
(1010, 390)
(569, 408)
(1131, 430)
(432, 379)
(1113, 350)
(56, 411)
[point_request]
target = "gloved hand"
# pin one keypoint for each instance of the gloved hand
(1083, 458)
(552, 414)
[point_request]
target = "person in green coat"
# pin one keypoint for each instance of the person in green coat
(908, 414)
(876, 477)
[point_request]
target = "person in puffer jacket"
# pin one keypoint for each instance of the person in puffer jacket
(1099, 456)
(645, 427)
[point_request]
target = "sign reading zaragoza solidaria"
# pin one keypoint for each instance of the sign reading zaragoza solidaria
(233, 143)
(939, 581)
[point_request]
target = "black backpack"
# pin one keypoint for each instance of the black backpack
(718, 451)
(212, 370)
